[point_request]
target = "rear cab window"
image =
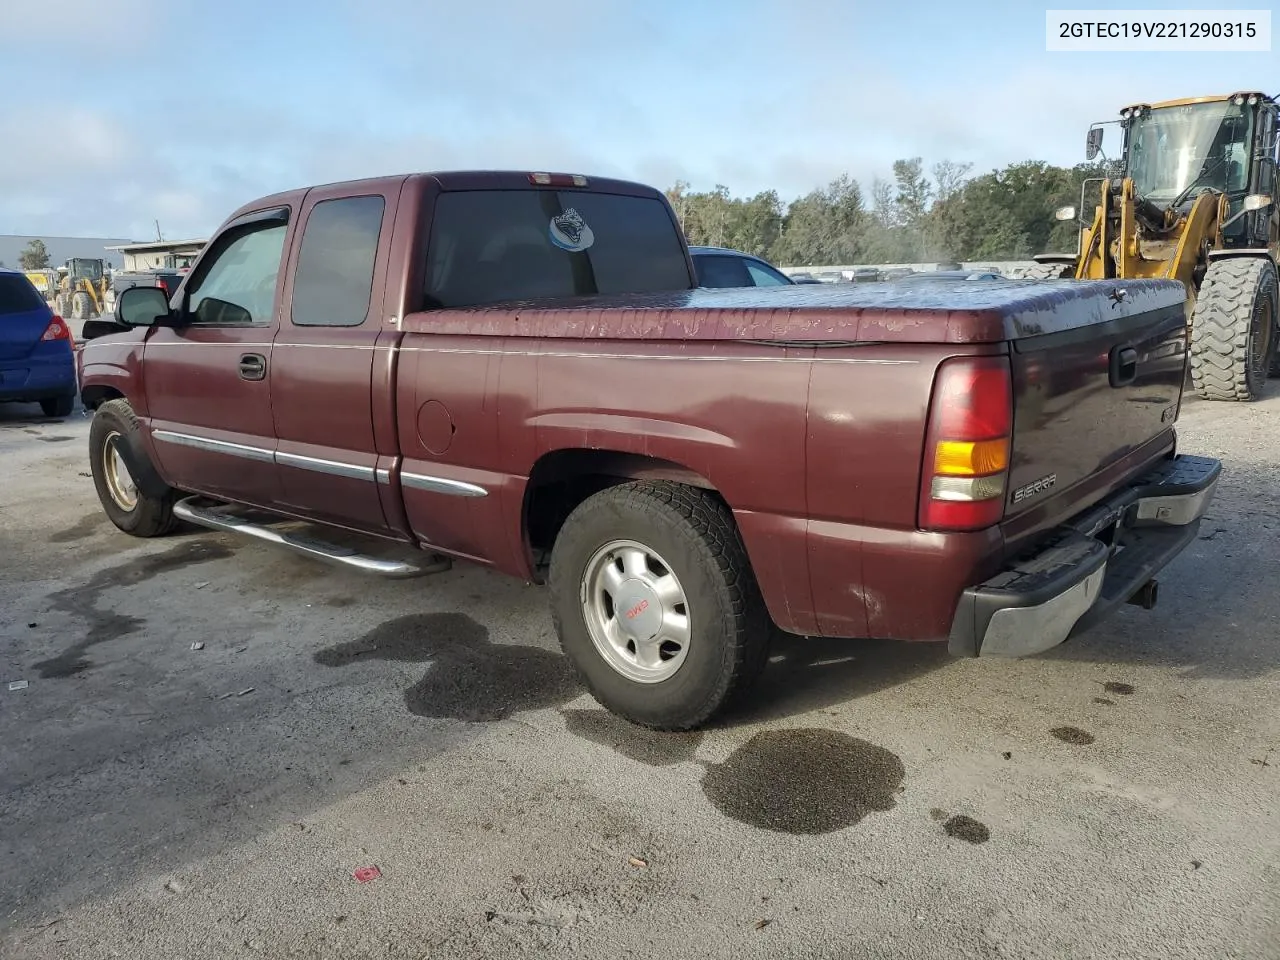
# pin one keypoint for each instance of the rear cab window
(492, 245)
(17, 295)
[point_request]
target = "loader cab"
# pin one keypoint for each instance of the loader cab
(1175, 150)
(83, 268)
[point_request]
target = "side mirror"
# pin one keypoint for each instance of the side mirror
(1064, 213)
(141, 307)
(1093, 142)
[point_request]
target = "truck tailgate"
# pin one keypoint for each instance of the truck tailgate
(1091, 397)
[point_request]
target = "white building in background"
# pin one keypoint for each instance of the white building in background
(162, 254)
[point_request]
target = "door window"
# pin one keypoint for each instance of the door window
(334, 278)
(721, 271)
(238, 289)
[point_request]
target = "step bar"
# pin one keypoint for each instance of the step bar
(207, 516)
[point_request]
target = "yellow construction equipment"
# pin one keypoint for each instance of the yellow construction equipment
(45, 281)
(82, 290)
(1195, 201)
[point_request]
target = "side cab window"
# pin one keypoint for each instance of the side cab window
(333, 280)
(236, 285)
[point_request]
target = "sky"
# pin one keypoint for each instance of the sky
(115, 114)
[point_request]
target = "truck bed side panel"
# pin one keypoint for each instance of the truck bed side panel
(483, 410)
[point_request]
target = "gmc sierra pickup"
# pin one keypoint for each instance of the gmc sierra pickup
(515, 369)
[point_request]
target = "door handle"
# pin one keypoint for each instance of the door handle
(253, 366)
(1124, 366)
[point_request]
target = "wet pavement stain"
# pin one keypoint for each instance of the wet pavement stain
(56, 439)
(1104, 701)
(1072, 735)
(469, 678)
(340, 602)
(103, 625)
(1124, 689)
(967, 828)
(937, 813)
(636, 743)
(804, 781)
(84, 527)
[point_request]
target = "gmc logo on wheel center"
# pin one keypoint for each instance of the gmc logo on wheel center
(638, 609)
(1036, 486)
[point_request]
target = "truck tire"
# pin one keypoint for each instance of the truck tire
(663, 558)
(1047, 271)
(1233, 329)
(140, 509)
(81, 306)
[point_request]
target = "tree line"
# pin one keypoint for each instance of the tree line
(945, 214)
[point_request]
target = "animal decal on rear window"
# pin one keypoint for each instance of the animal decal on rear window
(570, 232)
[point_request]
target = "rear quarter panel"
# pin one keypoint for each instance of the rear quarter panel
(484, 410)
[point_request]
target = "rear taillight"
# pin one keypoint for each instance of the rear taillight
(57, 330)
(162, 285)
(967, 445)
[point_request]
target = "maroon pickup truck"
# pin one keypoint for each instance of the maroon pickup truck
(518, 370)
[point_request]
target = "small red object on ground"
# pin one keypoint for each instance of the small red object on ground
(365, 874)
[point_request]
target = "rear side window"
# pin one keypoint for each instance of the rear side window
(17, 295)
(334, 277)
(489, 246)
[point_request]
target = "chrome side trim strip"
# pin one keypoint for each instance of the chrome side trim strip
(455, 488)
(332, 467)
(217, 446)
(441, 485)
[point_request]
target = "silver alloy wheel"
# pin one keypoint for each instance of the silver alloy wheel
(115, 472)
(636, 611)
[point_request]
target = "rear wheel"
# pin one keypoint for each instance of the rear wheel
(57, 406)
(81, 306)
(655, 604)
(113, 441)
(1233, 329)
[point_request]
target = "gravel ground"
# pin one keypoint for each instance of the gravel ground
(1115, 798)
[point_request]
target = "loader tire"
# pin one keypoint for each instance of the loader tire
(81, 306)
(1233, 330)
(1047, 271)
(61, 307)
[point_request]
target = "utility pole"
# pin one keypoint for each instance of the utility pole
(158, 235)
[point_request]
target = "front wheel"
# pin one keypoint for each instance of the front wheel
(115, 458)
(655, 604)
(1233, 329)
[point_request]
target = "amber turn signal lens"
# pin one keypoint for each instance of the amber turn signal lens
(970, 458)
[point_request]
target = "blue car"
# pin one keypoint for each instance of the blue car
(37, 357)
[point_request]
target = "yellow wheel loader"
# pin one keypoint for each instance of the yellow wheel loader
(82, 290)
(1195, 201)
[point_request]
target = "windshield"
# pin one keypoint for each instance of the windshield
(89, 269)
(1202, 143)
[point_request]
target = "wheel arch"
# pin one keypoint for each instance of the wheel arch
(562, 479)
(95, 395)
